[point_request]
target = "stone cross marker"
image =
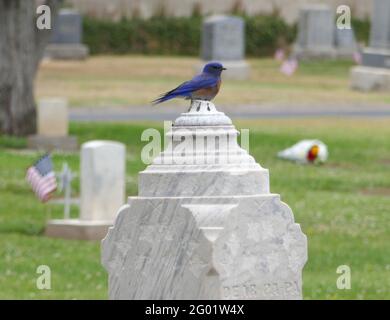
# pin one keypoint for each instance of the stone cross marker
(318, 36)
(66, 176)
(65, 42)
(52, 126)
(205, 225)
(223, 40)
(102, 192)
(374, 73)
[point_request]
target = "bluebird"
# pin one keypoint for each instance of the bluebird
(204, 86)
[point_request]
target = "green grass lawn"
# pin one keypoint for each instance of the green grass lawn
(343, 208)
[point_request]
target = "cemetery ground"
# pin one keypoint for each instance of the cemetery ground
(343, 207)
(106, 81)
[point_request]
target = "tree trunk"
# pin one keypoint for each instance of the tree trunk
(21, 49)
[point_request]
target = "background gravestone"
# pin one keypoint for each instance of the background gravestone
(346, 41)
(67, 28)
(378, 54)
(319, 38)
(380, 29)
(66, 37)
(52, 117)
(102, 187)
(374, 73)
(52, 127)
(223, 40)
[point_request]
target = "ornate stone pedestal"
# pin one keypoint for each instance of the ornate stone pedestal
(204, 225)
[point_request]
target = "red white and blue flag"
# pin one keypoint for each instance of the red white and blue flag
(42, 178)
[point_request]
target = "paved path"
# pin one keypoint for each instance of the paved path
(166, 112)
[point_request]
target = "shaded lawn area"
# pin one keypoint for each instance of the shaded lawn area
(343, 208)
(136, 80)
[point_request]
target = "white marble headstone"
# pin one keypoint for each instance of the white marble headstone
(102, 179)
(52, 117)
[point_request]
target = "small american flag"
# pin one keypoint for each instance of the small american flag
(289, 66)
(42, 178)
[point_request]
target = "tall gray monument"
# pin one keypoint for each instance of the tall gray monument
(318, 36)
(223, 40)
(374, 73)
(205, 225)
(66, 40)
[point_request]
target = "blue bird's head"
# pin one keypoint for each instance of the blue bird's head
(214, 68)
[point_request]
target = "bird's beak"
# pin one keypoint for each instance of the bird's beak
(223, 68)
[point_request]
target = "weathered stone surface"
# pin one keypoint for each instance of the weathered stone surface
(102, 179)
(218, 233)
(229, 248)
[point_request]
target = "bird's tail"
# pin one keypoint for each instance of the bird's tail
(162, 98)
(174, 93)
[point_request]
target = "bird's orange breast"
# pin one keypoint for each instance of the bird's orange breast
(209, 90)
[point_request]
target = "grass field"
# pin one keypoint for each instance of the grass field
(343, 208)
(136, 80)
